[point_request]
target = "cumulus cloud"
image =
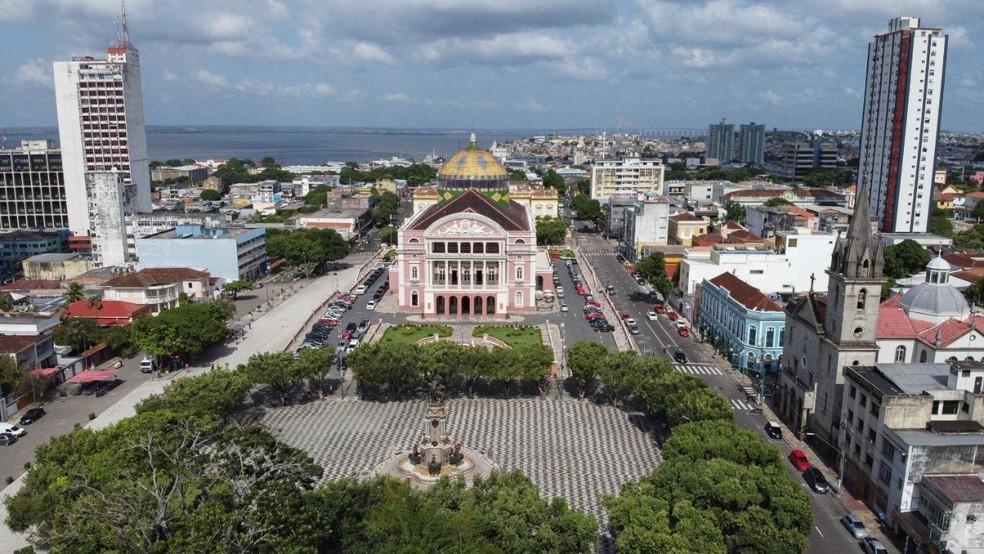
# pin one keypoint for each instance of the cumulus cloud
(370, 52)
(531, 105)
(397, 98)
(268, 88)
(34, 73)
(210, 81)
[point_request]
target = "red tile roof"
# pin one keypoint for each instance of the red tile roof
(511, 217)
(965, 259)
(894, 323)
(16, 343)
(108, 312)
(743, 236)
(32, 284)
(959, 488)
(709, 239)
(969, 275)
(685, 216)
(745, 294)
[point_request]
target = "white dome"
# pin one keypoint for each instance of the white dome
(938, 264)
(935, 302)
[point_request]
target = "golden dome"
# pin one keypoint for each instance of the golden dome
(473, 164)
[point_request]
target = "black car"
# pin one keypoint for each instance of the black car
(31, 416)
(364, 324)
(351, 327)
(6, 439)
(680, 357)
(602, 326)
(773, 430)
(816, 480)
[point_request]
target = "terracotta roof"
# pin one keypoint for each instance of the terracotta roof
(793, 209)
(107, 310)
(16, 343)
(731, 225)
(511, 217)
(754, 193)
(816, 193)
(155, 276)
(685, 216)
(958, 488)
(742, 236)
(965, 259)
(745, 294)
(894, 323)
(970, 275)
(709, 239)
(977, 194)
(32, 284)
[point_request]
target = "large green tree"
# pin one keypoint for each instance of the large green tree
(652, 268)
(585, 360)
(733, 211)
(550, 231)
(905, 258)
(552, 180)
(385, 205)
(971, 239)
(306, 248)
(314, 365)
(74, 293)
(182, 332)
(237, 286)
(588, 209)
(210, 195)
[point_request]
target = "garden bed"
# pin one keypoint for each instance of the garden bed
(560, 253)
(520, 335)
(410, 334)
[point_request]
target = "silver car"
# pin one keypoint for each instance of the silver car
(854, 526)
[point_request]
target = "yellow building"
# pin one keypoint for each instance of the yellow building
(685, 226)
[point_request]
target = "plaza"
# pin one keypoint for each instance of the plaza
(573, 449)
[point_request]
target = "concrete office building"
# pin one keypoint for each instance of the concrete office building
(800, 158)
(32, 187)
(101, 128)
(229, 253)
(903, 96)
(645, 226)
(751, 144)
(721, 142)
(626, 177)
(106, 209)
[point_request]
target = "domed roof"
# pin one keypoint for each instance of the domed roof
(938, 263)
(473, 163)
(934, 302)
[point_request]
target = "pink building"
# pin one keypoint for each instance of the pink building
(473, 254)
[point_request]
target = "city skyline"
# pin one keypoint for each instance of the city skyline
(555, 63)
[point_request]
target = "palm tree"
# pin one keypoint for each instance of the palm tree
(75, 293)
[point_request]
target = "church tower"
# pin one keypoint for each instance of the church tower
(854, 289)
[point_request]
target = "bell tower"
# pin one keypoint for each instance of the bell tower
(854, 289)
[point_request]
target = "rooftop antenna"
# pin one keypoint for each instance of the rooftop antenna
(124, 37)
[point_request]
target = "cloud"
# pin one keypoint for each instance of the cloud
(370, 52)
(506, 49)
(169, 75)
(397, 98)
(531, 105)
(269, 88)
(34, 73)
(770, 96)
(210, 81)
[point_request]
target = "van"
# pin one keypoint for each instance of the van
(147, 365)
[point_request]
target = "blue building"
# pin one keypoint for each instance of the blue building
(743, 322)
(229, 253)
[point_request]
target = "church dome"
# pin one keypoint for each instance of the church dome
(935, 299)
(473, 168)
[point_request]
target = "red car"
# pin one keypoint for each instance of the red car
(580, 291)
(683, 331)
(593, 315)
(594, 303)
(659, 308)
(626, 316)
(799, 461)
(672, 315)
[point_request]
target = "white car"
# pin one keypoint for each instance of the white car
(631, 322)
(679, 324)
(371, 305)
(351, 345)
(11, 429)
(651, 316)
(560, 292)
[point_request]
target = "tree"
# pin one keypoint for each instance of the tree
(314, 365)
(584, 360)
(733, 211)
(276, 370)
(550, 231)
(552, 180)
(777, 201)
(905, 258)
(210, 195)
(517, 175)
(388, 234)
(652, 268)
(74, 293)
(11, 375)
(975, 292)
(237, 286)
(268, 161)
(385, 205)
(218, 393)
(940, 225)
(588, 209)
(971, 239)
(183, 331)
(6, 302)
(76, 333)
(309, 248)
(978, 211)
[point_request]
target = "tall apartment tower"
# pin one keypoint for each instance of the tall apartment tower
(903, 96)
(101, 128)
(32, 187)
(751, 144)
(721, 141)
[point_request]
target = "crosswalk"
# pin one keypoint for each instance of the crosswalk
(741, 406)
(698, 369)
(598, 254)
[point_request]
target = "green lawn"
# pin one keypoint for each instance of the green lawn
(513, 336)
(412, 333)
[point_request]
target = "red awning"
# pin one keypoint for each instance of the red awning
(44, 371)
(94, 375)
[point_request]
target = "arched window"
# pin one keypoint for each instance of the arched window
(770, 337)
(751, 359)
(969, 359)
(862, 297)
(858, 332)
(519, 299)
(922, 357)
(414, 300)
(519, 273)
(951, 359)
(864, 265)
(899, 354)
(414, 241)
(752, 335)
(520, 241)
(413, 273)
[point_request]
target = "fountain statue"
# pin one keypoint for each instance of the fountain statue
(436, 454)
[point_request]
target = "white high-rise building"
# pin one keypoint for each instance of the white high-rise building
(628, 177)
(902, 104)
(101, 128)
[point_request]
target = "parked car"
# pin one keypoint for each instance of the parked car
(659, 308)
(364, 324)
(7, 439)
(594, 315)
(12, 429)
(604, 327)
(610, 290)
(560, 292)
(31, 416)
(873, 546)
(798, 459)
(773, 430)
(563, 307)
(147, 365)
(680, 357)
(594, 303)
(672, 315)
(371, 305)
(651, 316)
(349, 329)
(683, 331)
(589, 298)
(352, 345)
(814, 477)
(854, 525)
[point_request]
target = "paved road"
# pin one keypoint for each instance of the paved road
(828, 534)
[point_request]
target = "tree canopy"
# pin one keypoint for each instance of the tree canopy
(237, 286)
(306, 247)
(652, 268)
(182, 332)
(210, 195)
(550, 231)
(733, 211)
(971, 239)
(552, 180)
(385, 204)
(237, 171)
(905, 258)
(777, 201)
(588, 209)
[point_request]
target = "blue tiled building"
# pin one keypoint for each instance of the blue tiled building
(229, 253)
(743, 322)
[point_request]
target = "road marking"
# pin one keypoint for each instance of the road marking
(818, 531)
(739, 405)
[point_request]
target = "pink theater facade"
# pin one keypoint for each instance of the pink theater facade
(469, 258)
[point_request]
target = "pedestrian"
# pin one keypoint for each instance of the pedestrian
(250, 324)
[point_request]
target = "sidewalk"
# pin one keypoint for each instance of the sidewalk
(271, 331)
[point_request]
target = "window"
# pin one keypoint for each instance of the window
(858, 332)
(437, 248)
(875, 409)
(860, 425)
(850, 417)
(452, 248)
(885, 474)
(950, 407)
(491, 247)
(413, 273)
(520, 241)
(922, 357)
(853, 391)
(864, 400)
(868, 460)
(770, 337)
(872, 436)
(756, 271)
(519, 299)
(752, 331)
(478, 248)
(519, 273)
(414, 300)
(899, 354)
(466, 248)
(936, 407)
(862, 296)
(888, 451)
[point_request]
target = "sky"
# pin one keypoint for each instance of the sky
(538, 64)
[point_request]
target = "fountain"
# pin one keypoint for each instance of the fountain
(436, 454)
